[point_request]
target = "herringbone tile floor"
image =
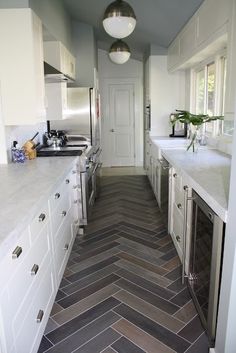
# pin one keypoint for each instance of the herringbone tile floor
(121, 291)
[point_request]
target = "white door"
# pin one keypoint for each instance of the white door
(121, 125)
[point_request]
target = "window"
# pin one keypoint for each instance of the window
(209, 91)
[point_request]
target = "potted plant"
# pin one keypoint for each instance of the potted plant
(194, 121)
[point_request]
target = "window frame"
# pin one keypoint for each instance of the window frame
(219, 99)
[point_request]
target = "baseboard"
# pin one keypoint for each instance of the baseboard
(212, 350)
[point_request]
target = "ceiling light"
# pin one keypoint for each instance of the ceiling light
(119, 52)
(119, 19)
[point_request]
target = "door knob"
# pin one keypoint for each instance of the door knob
(112, 130)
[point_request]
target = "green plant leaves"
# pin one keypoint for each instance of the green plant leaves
(183, 116)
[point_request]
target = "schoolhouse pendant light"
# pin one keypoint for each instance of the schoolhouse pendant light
(119, 52)
(119, 19)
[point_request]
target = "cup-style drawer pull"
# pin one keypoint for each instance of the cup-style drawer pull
(67, 181)
(57, 195)
(16, 253)
(175, 175)
(178, 238)
(66, 247)
(179, 206)
(63, 213)
(42, 217)
(40, 316)
(34, 270)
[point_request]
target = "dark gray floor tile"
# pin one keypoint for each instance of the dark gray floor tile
(182, 298)
(44, 345)
(167, 337)
(94, 252)
(60, 295)
(83, 335)
(98, 244)
(80, 321)
(85, 292)
(177, 286)
(150, 286)
(200, 346)
(153, 299)
(192, 330)
(123, 345)
(169, 255)
(100, 342)
(84, 282)
(91, 269)
(175, 274)
(93, 240)
(139, 240)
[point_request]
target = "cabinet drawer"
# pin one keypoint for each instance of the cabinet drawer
(29, 335)
(177, 180)
(60, 191)
(179, 200)
(63, 246)
(15, 257)
(177, 231)
(60, 214)
(39, 222)
(29, 271)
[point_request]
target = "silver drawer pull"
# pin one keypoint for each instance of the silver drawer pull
(66, 247)
(40, 316)
(178, 238)
(185, 187)
(75, 202)
(67, 181)
(63, 213)
(42, 217)
(74, 171)
(175, 175)
(34, 270)
(179, 206)
(57, 196)
(16, 253)
(75, 186)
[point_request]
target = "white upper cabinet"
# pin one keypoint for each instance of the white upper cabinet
(56, 55)
(22, 90)
(56, 94)
(203, 35)
(211, 17)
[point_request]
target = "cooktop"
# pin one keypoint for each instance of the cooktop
(61, 151)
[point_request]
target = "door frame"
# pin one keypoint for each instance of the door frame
(138, 117)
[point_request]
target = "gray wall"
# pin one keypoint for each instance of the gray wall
(85, 52)
(14, 4)
(55, 19)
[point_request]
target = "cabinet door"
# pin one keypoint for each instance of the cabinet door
(188, 40)
(212, 15)
(56, 94)
(173, 54)
(21, 67)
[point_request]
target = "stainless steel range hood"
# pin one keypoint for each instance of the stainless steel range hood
(52, 75)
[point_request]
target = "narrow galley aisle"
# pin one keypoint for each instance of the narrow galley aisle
(121, 291)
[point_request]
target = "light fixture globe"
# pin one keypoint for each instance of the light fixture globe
(119, 52)
(119, 19)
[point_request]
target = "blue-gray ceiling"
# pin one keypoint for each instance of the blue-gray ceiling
(158, 21)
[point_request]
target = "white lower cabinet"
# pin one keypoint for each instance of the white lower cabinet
(33, 268)
(180, 215)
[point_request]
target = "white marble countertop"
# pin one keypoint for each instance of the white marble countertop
(23, 187)
(207, 172)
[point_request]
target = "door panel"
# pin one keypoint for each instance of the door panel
(121, 108)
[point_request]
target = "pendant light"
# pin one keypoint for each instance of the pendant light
(119, 19)
(119, 52)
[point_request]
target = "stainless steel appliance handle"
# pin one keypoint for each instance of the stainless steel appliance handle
(184, 230)
(83, 193)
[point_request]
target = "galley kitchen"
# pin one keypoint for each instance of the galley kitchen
(117, 169)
